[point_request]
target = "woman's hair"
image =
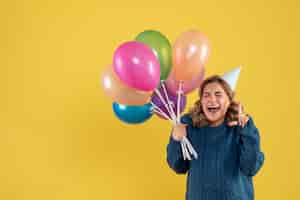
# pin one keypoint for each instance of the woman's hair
(196, 113)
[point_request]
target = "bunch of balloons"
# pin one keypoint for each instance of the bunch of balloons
(149, 76)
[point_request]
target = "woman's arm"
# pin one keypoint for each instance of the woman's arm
(174, 152)
(251, 157)
(175, 158)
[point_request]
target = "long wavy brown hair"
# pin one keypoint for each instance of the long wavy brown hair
(196, 113)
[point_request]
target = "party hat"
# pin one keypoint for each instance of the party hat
(232, 77)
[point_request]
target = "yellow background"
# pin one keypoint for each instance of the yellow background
(58, 136)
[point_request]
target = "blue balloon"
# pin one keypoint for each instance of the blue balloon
(133, 114)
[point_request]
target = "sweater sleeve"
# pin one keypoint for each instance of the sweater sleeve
(174, 155)
(175, 158)
(251, 157)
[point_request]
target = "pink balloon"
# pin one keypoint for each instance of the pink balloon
(187, 86)
(137, 66)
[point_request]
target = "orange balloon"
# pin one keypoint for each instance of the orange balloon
(120, 92)
(190, 52)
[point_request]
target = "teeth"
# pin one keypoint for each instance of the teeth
(213, 109)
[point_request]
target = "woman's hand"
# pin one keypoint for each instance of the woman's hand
(242, 118)
(179, 131)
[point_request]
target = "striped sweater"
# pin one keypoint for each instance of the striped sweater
(228, 159)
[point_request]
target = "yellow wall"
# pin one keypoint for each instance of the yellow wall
(58, 136)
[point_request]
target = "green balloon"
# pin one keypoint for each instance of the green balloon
(161, 47)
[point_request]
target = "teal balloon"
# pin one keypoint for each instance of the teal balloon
(161, 47)
(132, 114)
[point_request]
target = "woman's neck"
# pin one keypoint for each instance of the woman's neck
(217, 122)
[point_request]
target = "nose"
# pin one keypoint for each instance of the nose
(212, 98)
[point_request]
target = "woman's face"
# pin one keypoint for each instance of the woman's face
(215, 103)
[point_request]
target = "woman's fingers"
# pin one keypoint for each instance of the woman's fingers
(179, 131)
(245, 119)
(242, 118)
(240, 109)
(242, 121)
(233, 123)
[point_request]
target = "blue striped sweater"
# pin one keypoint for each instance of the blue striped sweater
(228, 159)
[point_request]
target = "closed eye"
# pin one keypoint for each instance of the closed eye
(218, 94)
(205, 94)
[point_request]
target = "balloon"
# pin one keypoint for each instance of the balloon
(190, 52)
(132, 114)
(137, 66)
(120, 92)
(161, 47)
(173, 100)
(187, 86)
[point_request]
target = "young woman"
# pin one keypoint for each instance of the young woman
(227, 142)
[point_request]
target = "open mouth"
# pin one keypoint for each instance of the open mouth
(213, 109)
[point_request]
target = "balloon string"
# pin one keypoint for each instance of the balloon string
(190, 147)
(185, 144)
(183, 150)
(185, 141)
(165, 104)
(159, 111)
(187, 154)
(163, 114)
(179, 92)
(168, 101)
